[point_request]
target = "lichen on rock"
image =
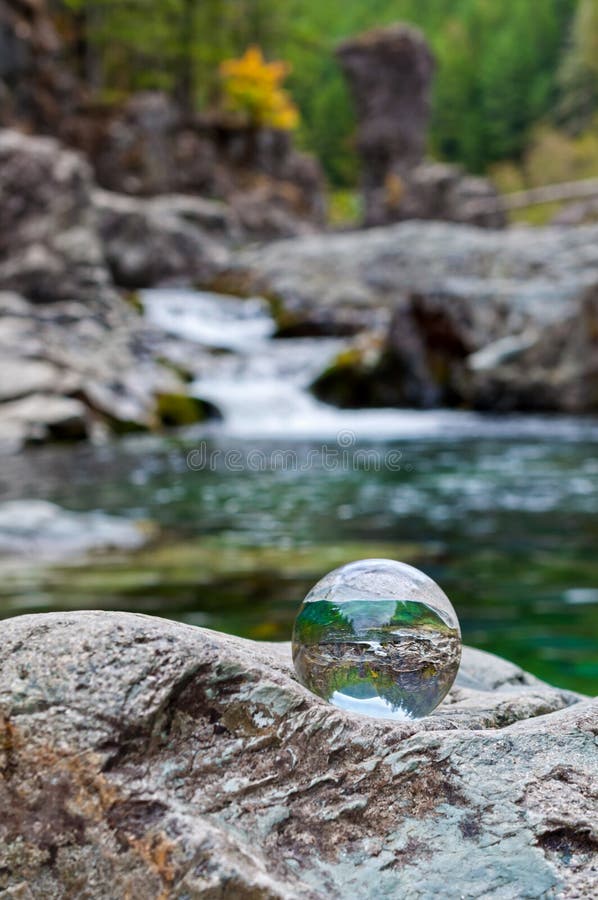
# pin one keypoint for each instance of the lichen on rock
(146, 758)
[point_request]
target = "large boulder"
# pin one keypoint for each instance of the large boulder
(145, 148)
(86, 367)
(145, 758)
(499, 276)
(150, 147)
(164, 239)
(49, 246)
(444, 192)
(389, 71)
(545, 367)
(443, 350)
(75, 357)
(435, 296)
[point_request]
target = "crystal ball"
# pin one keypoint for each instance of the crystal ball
(378, 637)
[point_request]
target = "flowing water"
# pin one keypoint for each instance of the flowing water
(251, 511)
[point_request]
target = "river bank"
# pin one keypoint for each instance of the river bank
(438, 314)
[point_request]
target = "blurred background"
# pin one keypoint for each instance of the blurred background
(286, 285)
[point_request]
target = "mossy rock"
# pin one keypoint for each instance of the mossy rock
(177, 410)
(133, 298)
(354, 382)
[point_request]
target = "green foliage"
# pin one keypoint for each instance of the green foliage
(502, 67)
(495, 78)
(325, 620)
(345, 207)
(174, 45)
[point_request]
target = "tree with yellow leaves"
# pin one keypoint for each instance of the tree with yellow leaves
(252, 89)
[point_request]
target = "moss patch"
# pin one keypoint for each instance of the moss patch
(177, 410)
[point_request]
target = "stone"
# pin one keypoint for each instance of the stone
(140, 145)
(44, 531)
(76, 357)
(427, 297)
(389, 72)
(98, 367)
(149, 148)
(270, 210)
(143, 757)
(43, 417)
(153, 241)
(36, 91)
(82, 365)
(49, 246)
(19, 377)
(443, 192)
(274, 190)
(548, 368)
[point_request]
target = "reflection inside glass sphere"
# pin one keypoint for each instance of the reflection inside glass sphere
(378, 637)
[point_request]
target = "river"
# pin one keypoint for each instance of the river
(246, 513)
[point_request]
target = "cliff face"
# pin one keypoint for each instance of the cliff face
(36, 91)
(149, 146)
(145, 758)
(73, 354)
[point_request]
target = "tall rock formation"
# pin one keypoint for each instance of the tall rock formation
(390, 72)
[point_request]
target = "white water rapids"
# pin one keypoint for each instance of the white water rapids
(260, 383)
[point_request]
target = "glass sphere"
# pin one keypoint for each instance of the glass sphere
(378, 637)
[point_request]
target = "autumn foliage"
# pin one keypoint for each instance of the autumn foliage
(252, 89)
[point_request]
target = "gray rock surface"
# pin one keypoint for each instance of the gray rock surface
(49, 246)
(145, 758)
(149, 147)
(168, 238)
(443, 293)
(75, 358)
(95, 362)
(523, 271)
(36, 90)
(444, 192)
(389, 71)
(39, 417)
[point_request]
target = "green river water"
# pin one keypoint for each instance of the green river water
(506, 524)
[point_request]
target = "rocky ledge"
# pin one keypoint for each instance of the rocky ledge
(144, 758)
(76, 359)
(446, 315)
